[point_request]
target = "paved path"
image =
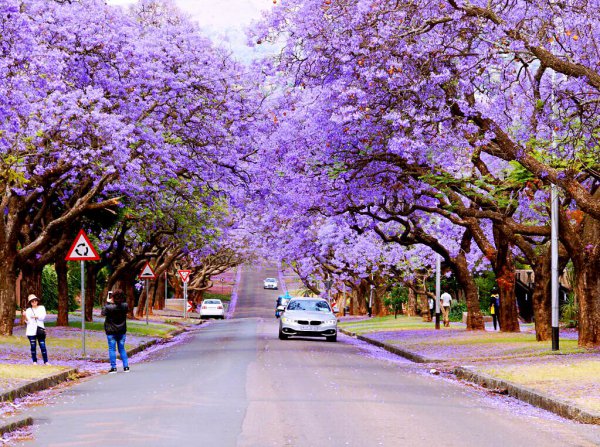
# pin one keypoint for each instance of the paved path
(235, 384)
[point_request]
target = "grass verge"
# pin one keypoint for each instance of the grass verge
(574, 380)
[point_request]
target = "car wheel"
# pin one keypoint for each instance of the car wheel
(332, 338)
(282, 336)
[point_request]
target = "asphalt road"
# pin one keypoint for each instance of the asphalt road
(234, 383)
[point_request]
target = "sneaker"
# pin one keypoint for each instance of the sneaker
(112, 371)
(126, 369)
(35, 363)
(47, 364)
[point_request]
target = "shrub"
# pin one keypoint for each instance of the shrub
(50, 289)
(396, 298)
(456, 311)
(570, 311)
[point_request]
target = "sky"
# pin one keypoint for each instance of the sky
(224, 21)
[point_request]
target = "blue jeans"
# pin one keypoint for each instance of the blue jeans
(113, 341)
(32, 342)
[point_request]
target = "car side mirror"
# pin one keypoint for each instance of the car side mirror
(281, 308)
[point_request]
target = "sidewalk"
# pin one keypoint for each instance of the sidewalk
(565, 383)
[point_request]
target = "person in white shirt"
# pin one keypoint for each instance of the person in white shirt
(446, 300)
(431, 302)
(34, 317)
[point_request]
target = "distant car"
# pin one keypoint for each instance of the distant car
(270, 283)
(308, 317)
(212, 308)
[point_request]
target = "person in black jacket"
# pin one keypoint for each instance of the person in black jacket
(115, 326)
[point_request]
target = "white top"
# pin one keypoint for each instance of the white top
(32, 323)
(445, 298)
(431, 302)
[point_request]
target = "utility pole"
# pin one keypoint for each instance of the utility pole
(554, 267)
(438, 268)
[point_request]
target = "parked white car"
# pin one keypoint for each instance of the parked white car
(212, 308)
(270, 283)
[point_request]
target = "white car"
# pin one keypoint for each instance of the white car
(270, 283)
(212, 308)
(308, 317)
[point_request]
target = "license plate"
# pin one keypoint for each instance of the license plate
(307, 328)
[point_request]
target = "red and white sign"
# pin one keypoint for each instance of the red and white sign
(82, 249)
(185, 275)
(147, 272)
(190, 306)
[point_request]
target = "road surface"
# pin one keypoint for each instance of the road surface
(234, 383)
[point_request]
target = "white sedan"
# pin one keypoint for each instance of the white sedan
(212, 308)
(270, 283)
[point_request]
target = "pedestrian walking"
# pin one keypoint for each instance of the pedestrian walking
(115, 326)
(431, 302)
(495, 308)
(35, 314)
(493, 313)
(446, 300)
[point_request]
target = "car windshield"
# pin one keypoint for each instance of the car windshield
(309, 305)
(270, 280)
(212, 302)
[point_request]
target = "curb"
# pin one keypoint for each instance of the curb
(393, 349)
(149, 343)
(15, 425)
(38, 385)
(533, 397)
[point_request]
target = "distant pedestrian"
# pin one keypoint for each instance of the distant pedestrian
(115, 326)
(446, 300)
(36, 331)
(431, 302)
(495, 308)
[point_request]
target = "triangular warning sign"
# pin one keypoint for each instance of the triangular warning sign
(82, 249)
(147, 272)
(184, 274)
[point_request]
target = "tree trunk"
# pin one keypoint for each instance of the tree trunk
(465, 279)
(504, 268)
(141, 307)
(379, 308)
(31, 283)
(129, 290)
(8, 304)
(587, 283)
(542, 312)
(159, 302)
(60, 265)
(90, 293)
(411, 309)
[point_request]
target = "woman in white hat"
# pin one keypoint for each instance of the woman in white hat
(36, 332)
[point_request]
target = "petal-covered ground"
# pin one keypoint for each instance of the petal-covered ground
(571, 374)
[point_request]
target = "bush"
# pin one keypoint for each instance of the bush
(50, 289)
(456, 311)
(570, 312)
(396, 298)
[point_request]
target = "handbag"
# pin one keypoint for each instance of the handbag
(40, 332)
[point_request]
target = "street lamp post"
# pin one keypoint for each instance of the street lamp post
(438, 268)
(554, 266)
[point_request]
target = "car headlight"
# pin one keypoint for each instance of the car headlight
(287, 320)
(330, 322)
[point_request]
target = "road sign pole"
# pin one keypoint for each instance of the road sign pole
(166, 284)
(147, 300)
(82, 294)
(185, 300)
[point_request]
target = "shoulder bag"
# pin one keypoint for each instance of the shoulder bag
(40, 331)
